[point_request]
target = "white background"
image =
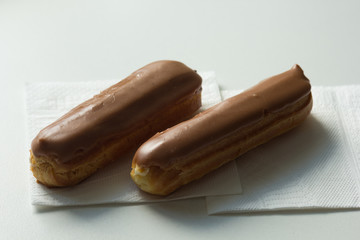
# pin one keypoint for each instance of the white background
(243, 41)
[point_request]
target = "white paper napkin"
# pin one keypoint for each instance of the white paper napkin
(317, 165)
(48, 101)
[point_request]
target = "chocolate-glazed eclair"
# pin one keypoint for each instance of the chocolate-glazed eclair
(193, 148)
(114, 122)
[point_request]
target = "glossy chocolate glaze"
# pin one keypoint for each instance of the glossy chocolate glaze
(270, 95)
(116, 111)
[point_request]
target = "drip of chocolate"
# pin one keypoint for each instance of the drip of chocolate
(116, 111)
(270, 95)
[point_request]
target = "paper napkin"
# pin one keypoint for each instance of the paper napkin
(316, 165)
(48, 101)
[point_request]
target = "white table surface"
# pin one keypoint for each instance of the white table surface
(243, 41)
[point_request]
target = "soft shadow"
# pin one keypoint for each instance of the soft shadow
(289, 168)
(296, 151)
(191, 213)
(281, 162)
(50, 209)
(286, 159)
(289, 212)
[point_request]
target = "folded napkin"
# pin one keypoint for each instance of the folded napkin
(48, 101)
(316, 165)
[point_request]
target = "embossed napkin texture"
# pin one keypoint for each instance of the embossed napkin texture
(315, 166)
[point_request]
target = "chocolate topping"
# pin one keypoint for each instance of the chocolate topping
(116, 111)
(270, 95)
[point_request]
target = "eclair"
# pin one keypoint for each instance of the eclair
(193, 148)
(114, 122)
